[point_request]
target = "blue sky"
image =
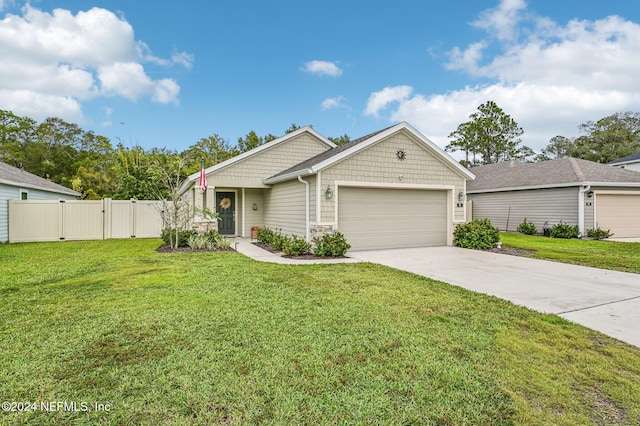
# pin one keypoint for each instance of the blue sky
(167, 75)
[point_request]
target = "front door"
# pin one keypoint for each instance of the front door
(226, 208)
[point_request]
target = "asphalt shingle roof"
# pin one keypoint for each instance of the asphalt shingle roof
(552, 172)
(16, 176)
(631, 157)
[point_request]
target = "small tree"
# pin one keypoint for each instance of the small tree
(178, 212)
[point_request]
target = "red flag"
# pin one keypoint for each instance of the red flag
(203, 178)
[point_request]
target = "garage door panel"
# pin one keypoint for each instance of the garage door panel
(619, 213)
(374, 218)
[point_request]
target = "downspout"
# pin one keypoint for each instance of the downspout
(307, 220)
(581, 209)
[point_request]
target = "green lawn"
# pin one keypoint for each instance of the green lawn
(599, 254)
(217, 338)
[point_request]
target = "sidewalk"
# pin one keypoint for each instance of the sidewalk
(246, 247)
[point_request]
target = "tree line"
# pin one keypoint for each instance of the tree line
(88, 163)
(64, 153)
(492, 136)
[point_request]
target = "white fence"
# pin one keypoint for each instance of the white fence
(60, 220)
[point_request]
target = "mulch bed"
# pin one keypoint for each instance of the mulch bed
(167, 249)
(282, 254)
(511, 251)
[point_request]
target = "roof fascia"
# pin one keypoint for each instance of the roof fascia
(555, 185)
(288, 176)
(308, 129)
(39, 188)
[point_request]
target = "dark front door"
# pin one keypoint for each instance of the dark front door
(226, 208)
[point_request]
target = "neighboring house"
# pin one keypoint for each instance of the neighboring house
(630, 162)
(17, 184)
(578, 192)
(392, 188)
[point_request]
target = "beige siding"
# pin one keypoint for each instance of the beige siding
(285, 207)
(536, 205)
(378, 163)
(312, 197)
(251, 171)
(254, 217)
(589, 216)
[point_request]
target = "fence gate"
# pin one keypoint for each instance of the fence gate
(59, 220)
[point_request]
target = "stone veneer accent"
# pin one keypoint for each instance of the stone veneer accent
(318, 230)
(204, 225)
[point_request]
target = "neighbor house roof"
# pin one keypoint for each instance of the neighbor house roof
(332, 156)
(633, 158)
(553, 173)
(308, 129)
(14, 176)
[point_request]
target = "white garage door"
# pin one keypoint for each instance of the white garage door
(619, 213)
(373, 218)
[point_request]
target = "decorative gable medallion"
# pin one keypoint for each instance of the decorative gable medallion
(400, 154)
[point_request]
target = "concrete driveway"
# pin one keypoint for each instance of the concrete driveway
(607, 301)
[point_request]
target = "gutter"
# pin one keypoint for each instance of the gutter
(307, 219)
(288, 176)
(581, 193)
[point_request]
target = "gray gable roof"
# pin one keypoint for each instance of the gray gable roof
(327, 154)
(628, 158)
(17, 177)
(561, 172)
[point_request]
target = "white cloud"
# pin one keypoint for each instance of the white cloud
(130, 81)
(67, 59)
(333, 103)
(322, 68)
(380, 100)
(549, 77)
(502, 21)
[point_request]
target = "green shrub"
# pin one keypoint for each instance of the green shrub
(564, 230)
(201, 242)
(279, 240)
(296, 246)
(265, 235)
(599, 234)
(477, 234)
(272, 238)
(168, 236)
(527, 228)
(331, 245)
(223, 243)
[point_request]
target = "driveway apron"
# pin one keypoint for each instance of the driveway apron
(606, 301)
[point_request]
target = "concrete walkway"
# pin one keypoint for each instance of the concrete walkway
(246, 247)
(607, 301)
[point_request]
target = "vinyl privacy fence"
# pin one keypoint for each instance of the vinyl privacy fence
(72, 220)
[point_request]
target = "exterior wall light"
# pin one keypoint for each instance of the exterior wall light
(328, 193)
(255, 206)
(590, 194)
(461, 196)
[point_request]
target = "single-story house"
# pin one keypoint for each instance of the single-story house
(392, 188)
(17, 184)
(574, 191)
(630, 162)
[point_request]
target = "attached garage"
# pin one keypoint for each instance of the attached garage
(393, 188)
(375, 218)
(619, 213)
